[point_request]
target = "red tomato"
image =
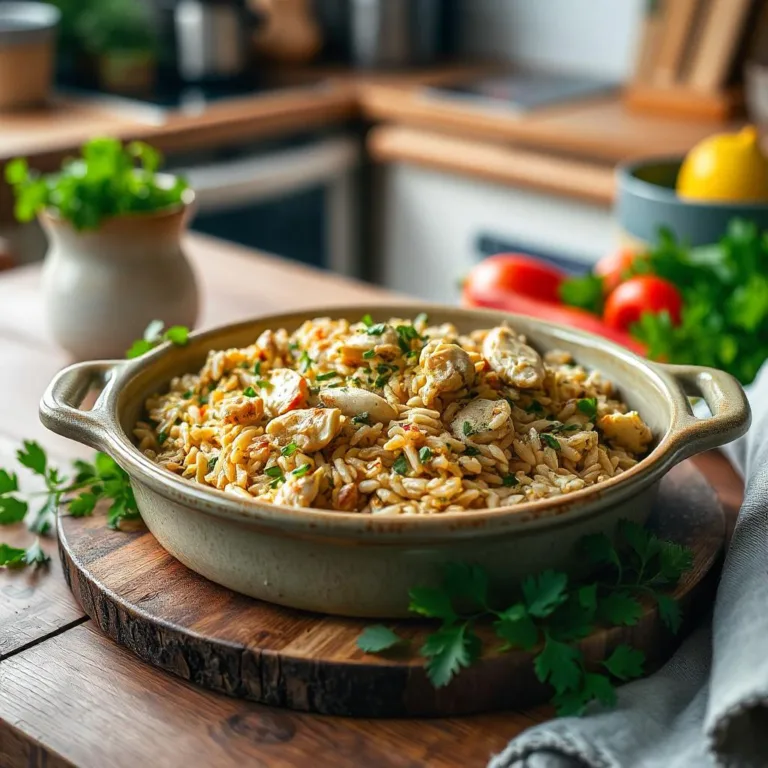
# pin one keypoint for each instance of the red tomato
(646, 293)
(613, 266)
(568, 316)
(516, 273)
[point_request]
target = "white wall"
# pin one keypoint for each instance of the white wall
(592, 36)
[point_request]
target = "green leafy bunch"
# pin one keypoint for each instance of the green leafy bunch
(92, 482)
(549, 614)
(109, 179)
(110, 26)
(724, 321)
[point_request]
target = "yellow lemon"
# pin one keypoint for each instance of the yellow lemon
(725, 167)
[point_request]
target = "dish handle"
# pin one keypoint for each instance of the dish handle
(60, 406)
(727, 401)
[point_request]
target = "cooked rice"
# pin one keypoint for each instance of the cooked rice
(494, 431)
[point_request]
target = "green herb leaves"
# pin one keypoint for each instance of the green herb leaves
(154, 336)
(12, 509)
(105, 181)
(585, 292)
(13, 557)
(588, 406)
(549, 614)
(401, 465)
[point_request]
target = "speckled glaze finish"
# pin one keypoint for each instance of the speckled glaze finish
(363, 565)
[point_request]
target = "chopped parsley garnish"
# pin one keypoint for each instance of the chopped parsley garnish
(293, 346)
(377, 330)
(264, 384)
(257, 368)
(422, 317)
(301, 471)
(276, 474)
(405, 335)
(162, 437)
(245, 365)
(361, 418)
(466, 428)
(203, 399)
(401, 465)
(551, 441)
(187, 394)
(367, 321)
(289, 449)
(425, 454)
(535, 407)
(212, 463)
(249, 392)
(508, 481)
(381, 381)
(470, 450)
(326, 376)
(305, 361)
(588, 406)
(369, 354)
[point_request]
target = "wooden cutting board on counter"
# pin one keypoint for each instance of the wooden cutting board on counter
(170, 617)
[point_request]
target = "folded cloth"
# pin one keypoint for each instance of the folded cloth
(708, 706)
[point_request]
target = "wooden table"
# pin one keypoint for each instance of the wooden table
(69, 696)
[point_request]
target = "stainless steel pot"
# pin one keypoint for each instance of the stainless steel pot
(364, 565)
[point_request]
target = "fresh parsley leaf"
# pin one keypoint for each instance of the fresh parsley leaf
(534, 407)
(162, 437)
(378, 638)
(516, 628)
(401, 465)
(669, 612)
(432, 602)
(11, 556)
(289, 449)
(368, 354)
(559, 665)
(249, 392)
(273, 472)
(177, 334)
(588, 406)
(625, 662)
(376, 330)
(12, 510)
(83, 505)
(302, 470)
(305, 362)
(362, 418)
(293, 346)
(8, 482)
(188, 394)
(35, 556)
(257, 368)
(550, 440)
(448, 650)
(640, 539)
(212, 463)
(405, 335)
(462, 581)
(367, 321)
(585, 292)
(674, 561)
(619, 608)
(470, 450)
(466, 429)
(425, 454)
(33, 457)
(545, 592)
(509, 481)
(599, 550)
(327, 376)
(264, 384)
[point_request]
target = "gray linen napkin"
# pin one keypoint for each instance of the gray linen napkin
(708, 706)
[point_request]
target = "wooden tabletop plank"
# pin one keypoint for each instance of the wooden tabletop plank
(92, 703)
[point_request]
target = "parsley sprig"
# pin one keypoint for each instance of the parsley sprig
(92, 482)
(154, 335)
(549, 614)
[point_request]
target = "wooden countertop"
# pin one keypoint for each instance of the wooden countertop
(71, 697)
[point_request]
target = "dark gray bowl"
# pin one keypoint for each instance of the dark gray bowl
(647, 201)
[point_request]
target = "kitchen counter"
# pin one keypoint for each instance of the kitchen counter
(71, 697)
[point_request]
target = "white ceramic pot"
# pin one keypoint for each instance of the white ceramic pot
(103, 287)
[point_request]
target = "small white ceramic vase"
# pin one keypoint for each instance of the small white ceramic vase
(103, 287)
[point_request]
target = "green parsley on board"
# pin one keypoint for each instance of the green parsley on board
(548, 614)
(108, 179)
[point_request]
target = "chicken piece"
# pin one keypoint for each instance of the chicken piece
(481, 421)
(516, 363)
(288, 391)
(348, 498)
(626, 430)
(242, 410)
(352, 401)
(447, 368)
(385, 344)
(299, 491)
(310, 429)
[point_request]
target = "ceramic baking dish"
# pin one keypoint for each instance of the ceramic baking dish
(363, 565)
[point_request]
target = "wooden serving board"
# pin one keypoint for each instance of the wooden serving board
(169, 616)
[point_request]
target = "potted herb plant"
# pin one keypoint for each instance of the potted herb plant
(115, 260)
(121, 37)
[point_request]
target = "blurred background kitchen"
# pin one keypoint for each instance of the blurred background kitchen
(403, 141)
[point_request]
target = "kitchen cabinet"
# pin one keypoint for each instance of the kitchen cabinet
(434, 226)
